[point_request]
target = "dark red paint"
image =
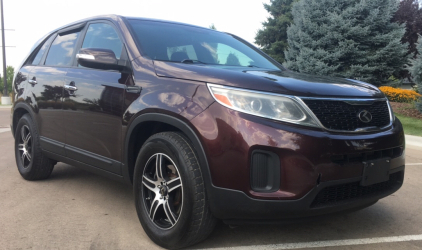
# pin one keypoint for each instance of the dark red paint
(97, 119)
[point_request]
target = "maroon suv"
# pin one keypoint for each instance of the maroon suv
(203, 124)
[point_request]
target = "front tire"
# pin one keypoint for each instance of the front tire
(32, 163)
(169, 192)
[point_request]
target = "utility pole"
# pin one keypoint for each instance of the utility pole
(4, 51)
(5, 99)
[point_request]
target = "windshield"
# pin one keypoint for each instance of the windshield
(182, 43)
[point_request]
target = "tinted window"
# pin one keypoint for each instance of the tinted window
(188, 49)
(41, 52)
(176, 42)
(103, 36)
(61, 51)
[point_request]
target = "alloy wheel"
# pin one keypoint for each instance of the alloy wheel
(25, 146)
(162, 191)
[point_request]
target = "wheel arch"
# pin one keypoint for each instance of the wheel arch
(19, 110)
(170, 124)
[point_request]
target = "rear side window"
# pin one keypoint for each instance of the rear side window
(61, 51)
(103, 36)
(41, 52)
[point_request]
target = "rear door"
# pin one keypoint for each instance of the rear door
(46, 81)
(93, 105)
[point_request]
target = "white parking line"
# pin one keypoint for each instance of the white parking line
(328, 243)
(2, 130)
(413, 164)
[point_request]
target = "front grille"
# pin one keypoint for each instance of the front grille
(367, 156)
(339, 115)
(347, 192)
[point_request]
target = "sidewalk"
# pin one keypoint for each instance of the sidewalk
(412, 140)
(5, 106)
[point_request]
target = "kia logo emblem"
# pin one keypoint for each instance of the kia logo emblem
(365, 116)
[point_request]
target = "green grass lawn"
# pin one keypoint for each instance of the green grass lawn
(412, 126)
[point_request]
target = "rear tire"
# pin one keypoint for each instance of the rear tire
(170, 196)
(32, 163)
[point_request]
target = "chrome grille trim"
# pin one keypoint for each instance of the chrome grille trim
(351, 101)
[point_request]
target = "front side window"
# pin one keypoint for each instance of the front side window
(61, 51)
(177, 42)
(103, 36)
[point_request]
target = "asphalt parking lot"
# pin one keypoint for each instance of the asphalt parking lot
(75, 209)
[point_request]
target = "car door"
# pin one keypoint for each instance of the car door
(45, 88)
(93, 105)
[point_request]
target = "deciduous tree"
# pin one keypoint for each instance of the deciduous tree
(415, 69)
(10, 71)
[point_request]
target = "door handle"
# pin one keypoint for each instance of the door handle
(70, 87)
(133, 89)
(33, 81)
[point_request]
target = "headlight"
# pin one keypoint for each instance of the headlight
(272, 106)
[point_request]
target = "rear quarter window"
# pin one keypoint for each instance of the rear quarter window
(41, 52)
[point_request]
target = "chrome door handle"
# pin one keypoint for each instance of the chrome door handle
(70, 87)
(32, 81)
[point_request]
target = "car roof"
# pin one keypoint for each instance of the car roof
(113, 17)
(164, 21)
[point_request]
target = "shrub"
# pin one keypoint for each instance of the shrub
(400, 95)
(393, 82)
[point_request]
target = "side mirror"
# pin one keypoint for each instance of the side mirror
(99, 59)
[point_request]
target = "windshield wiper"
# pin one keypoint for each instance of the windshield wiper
(190, 61)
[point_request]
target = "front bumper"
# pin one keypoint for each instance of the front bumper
(310, 160)
(340, 195)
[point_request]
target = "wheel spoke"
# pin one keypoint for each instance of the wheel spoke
(23, 158)
(159, 166)
(21, 147)
(169, 213)
(154, 206)
(28, 137)
(148, 183)
(173, 184)
(28, 156)
(23, 133)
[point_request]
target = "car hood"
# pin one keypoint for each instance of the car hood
(282, 82)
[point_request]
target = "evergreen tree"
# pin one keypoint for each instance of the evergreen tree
(212, 26)
(415, 69)
(346, 38)
(273, 37)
